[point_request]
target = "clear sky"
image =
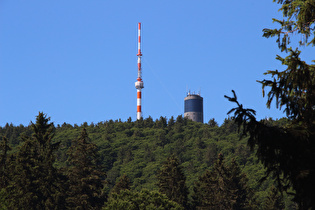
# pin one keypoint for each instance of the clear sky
(76, 60)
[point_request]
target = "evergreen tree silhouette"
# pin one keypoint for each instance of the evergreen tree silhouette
(123, 184)
(274, 200)
(223, 187)
(36, 184)
(86, 178)
(171, 181)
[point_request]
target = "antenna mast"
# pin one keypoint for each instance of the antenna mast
(139, 83)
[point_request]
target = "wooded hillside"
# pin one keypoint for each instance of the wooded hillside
(138, 150)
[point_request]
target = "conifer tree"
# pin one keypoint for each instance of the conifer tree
(148, 122)
(171, 122)
(288, 151)
(212, 123)
(224, 187)
(4, 167)
(123, 184)
(36, 184)
(274, 200)
(171, 181)
(145, 199)
(242, 195)
(86, 178)
(211, 154)
(5, 171)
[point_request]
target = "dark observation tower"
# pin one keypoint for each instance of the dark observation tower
(193, 109)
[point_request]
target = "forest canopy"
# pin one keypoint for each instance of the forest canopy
(117, 156)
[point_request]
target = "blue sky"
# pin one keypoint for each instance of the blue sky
(76, 60)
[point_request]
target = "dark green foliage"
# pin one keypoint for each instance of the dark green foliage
(171, 122)
(242, 153)
(144, 199)
(125, 154)
(161, 138)
(229, 125)
(14, 133)
(107, 155)
(274, 200)
(213, 123)
(5, 172)
(196, 144)
(161, 123)
(123, 184)
(223, 187)
(293, 88)
(4, 163)
(148, 122)
(288, 150)
(171, 181)
(211, 154)
(85, 175)
(287, 153)
(35, 183)
(3, 199)
(149, 155)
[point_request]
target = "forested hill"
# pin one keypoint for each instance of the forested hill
(138, 149)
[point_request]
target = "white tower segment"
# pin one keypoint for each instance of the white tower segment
(139, 83)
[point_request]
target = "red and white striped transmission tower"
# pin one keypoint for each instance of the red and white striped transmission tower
(139, 83)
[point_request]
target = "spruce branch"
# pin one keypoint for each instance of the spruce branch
(243, 117)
